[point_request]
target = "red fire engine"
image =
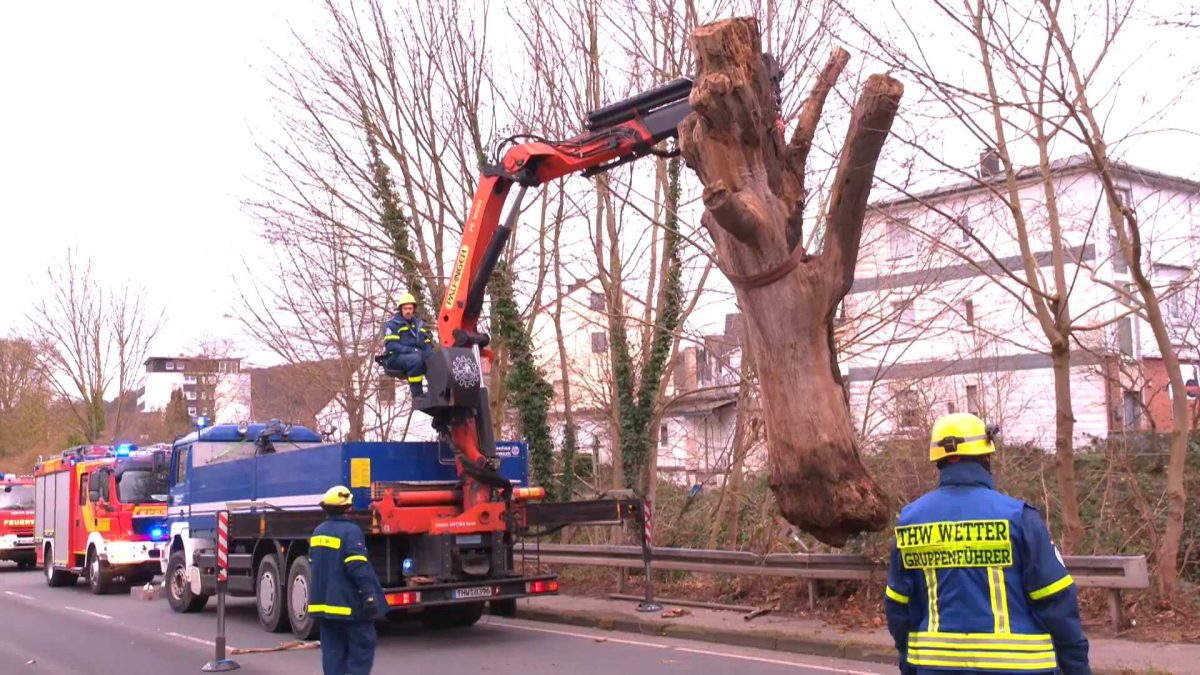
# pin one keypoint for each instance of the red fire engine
(100, 512)
(16, 520)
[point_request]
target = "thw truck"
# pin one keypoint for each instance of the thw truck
(100, 513)
(434, 557)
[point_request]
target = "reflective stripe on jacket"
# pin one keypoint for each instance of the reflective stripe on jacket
(975, 584)
(342, 577)
(406, 337)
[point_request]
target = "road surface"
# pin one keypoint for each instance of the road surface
(69, 630)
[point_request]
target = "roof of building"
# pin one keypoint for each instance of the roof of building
(1062, 167)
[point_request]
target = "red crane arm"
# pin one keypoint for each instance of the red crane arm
(616, 134)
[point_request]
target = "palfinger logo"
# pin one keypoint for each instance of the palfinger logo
(460, 266)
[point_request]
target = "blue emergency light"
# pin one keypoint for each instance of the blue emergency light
(157, 533)
(202, 422)
(124, 449)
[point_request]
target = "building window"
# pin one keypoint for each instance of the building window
(596, 302)
(1125, 197)
(190, 395)
(969, 312)
(599, 342)
(900, 238)
(904, 312)
(663, 435)
(192, 410)
(1132, 410)
(170, 365)
(973, 399)
(908, 409)
(387, 390)
(1118, 256)
(703, 371)
(1125, 336)
(964, 226)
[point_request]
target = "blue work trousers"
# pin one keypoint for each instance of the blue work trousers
(412, 365)
(347, 647)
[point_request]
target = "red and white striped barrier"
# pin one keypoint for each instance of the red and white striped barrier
(222, 546)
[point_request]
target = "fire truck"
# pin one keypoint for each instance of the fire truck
(16, 520)
(100, 513)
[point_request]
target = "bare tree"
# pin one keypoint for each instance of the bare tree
(93, 341)
(321, 313)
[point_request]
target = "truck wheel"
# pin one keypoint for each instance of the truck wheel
(452, 616)
(304, 625)
(56, 578)
(270, 597)
(99, 577)
(179, 591)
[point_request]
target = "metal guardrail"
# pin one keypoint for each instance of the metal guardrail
(1111, 572)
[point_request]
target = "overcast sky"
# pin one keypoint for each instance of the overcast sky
(127, 132)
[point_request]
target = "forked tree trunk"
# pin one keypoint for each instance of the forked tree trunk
(754, 198)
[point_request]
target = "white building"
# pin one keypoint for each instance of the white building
(936, 322)
(215, 388)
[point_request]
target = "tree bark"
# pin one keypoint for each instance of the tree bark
(754, 198)
(1064, 449)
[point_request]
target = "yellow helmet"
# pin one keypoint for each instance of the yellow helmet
(406, 299)
(338, 495)
(960, 434)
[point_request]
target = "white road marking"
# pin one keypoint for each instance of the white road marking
(88, 612)
(586, 636)
(181, 636)
(705, 652)
(778, 662)
(19, 595)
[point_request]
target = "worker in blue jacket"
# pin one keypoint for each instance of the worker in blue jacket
(346, 594)
(407, 341)
(975, 584)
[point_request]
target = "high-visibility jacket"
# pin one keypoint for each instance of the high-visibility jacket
(406, 337)
(342, 577)
(975, 585)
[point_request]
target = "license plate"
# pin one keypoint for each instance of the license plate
(473, 592)
(25, 542)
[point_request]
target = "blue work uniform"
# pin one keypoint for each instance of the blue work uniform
(346, 597)
(976, 586)
(406, 343)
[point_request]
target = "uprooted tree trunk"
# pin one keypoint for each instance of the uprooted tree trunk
(754, 198)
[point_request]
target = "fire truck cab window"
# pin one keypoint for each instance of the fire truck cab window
(16, 497)
(181, 464)
(142, 485)
(83, 488)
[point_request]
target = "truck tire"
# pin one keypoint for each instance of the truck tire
(452, 616)
(304, 625)
(56, 578)
(179, 591)
(270, 596)
(99, 576)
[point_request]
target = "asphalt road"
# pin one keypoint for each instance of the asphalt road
(69, 630)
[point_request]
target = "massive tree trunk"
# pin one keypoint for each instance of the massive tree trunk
(754, 198)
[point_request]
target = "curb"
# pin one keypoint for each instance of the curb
(764, 639)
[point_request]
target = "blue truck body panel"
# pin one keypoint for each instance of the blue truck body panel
(294, 478)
